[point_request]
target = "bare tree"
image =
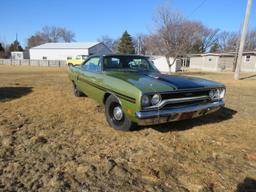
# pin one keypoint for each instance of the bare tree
(139, 44)
(67, 35)
(35, 40)
(209, 38)
(228, 41)
(50, 34)
(250, 44)
(109, 42)
(174, 34)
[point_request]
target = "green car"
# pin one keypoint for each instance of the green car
(134, 92)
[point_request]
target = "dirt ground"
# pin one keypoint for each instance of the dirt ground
(52, 141)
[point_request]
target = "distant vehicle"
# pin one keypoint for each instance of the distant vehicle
(133, 91)
(77, 60)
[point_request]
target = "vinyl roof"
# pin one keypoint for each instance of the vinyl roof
(74, 45)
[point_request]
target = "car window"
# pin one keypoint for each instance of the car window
(92, 64)
(138, 64)
(112, 62)
(78, 57)
(124, 62)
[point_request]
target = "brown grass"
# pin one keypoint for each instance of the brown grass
(53, 141)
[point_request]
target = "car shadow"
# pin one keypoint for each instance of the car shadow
(218, 116)
(248, 185)
(10, 93)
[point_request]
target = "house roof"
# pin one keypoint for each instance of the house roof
(212, 54)
(227, 54)
(249, 53)
(74, 45)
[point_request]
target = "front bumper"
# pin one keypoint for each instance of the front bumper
(175, 114)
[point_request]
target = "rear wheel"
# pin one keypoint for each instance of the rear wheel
(115, 115)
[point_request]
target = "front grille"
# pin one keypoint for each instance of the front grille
(177, 105)
(184, 94)
(181, 98)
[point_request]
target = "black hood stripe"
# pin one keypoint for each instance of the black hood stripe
(177, 82)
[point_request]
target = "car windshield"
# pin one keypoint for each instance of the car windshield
(128, 63)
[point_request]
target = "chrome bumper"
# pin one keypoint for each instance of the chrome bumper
(175, 114)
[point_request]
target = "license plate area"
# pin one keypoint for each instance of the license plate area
(188, 115)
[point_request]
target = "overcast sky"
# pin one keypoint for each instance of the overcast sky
(90, 19)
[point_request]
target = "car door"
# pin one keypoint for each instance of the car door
(90, 78)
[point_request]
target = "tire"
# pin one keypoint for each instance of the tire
(76, 91)
(118, 121)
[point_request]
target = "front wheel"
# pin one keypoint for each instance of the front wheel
(115, 115)
(76, 91)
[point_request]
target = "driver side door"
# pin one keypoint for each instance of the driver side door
(90, 78)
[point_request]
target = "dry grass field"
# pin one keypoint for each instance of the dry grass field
(53, 141)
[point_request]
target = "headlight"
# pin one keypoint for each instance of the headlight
(222, 93)
(217, 94)
(156, 99)
(214, 94)
(145, 101)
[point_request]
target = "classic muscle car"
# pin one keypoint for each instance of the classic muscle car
(134, 92)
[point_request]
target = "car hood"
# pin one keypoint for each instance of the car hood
(156, 82)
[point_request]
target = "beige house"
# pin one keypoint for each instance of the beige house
(222, 61)
(249, 61)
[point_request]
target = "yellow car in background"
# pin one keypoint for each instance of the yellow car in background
(77, 60)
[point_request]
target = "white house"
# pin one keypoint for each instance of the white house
(17, 55)
(62, 51)
(161, 64)
(222, 61)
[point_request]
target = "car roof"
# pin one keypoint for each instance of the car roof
(125, 55)
(119, 54)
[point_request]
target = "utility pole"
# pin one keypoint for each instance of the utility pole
(243, 37)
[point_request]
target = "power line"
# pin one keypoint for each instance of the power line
(198, 7)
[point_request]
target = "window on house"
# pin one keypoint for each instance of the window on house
(247, 58)
(44, 58)
(210, 59)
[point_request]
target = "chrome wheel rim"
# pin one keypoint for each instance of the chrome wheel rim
(117, 113)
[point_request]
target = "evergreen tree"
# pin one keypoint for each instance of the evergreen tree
(15, 46)
(215, 48)
(126, 44)
(1, 48)
(197, 47)
(2, 51)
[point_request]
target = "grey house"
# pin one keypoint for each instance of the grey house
(222, 61)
